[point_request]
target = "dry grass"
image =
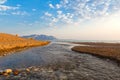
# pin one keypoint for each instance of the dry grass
(11, 42)
(110, 50)
(99, 44)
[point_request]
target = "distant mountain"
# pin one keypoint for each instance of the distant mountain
(40, 37)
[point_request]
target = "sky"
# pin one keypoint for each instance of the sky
(64, 19)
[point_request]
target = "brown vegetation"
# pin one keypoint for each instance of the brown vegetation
(12, 42)
(110, 50)
(99, 44)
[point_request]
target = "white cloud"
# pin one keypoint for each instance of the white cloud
(11, 10)
(64, 18)
(3, 1)
(51, 6)
(58, 6)
(22, 13)
(61, 18)
(83, 10)
(48, 14)
(4, 8)
(86, 19)
(65, 1)
(59, 12)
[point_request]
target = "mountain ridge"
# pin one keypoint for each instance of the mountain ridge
(40, 37)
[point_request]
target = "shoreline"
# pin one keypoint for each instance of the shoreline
(101, 50)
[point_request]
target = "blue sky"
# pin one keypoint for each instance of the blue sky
(68, 19)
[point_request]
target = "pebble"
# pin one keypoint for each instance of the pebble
(63, 77)
(5, 74)
(36, 69)
(28, 70)
(1, 72)
(23, 74)
(16, 72)
(50, 70)
(8, 71)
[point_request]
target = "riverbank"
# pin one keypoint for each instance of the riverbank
(11, 43)
(105, 50)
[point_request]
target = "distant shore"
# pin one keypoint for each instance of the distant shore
(11, 43)
(104, 50)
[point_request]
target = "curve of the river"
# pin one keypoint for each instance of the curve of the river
(88, 65)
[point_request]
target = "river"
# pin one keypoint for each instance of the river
(88, 65)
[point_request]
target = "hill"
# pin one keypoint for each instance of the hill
(40, 37)
(10, 42)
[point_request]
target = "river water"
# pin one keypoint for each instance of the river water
(37, 56)
(88, 65)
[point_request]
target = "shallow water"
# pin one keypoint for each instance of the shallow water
(33, 57)
(89, 67)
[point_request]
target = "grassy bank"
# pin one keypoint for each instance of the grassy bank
(14, 42)
(109, 50)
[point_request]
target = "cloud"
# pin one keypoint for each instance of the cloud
(64, 18)
(59, 12)
(22, 13)
(51, 6)
(11, 10)
(3, 1)
(85, 19)
(4, 8)
(60, 18)
(83, 10)
(65, 1)
(48, 14)
(58, 6)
